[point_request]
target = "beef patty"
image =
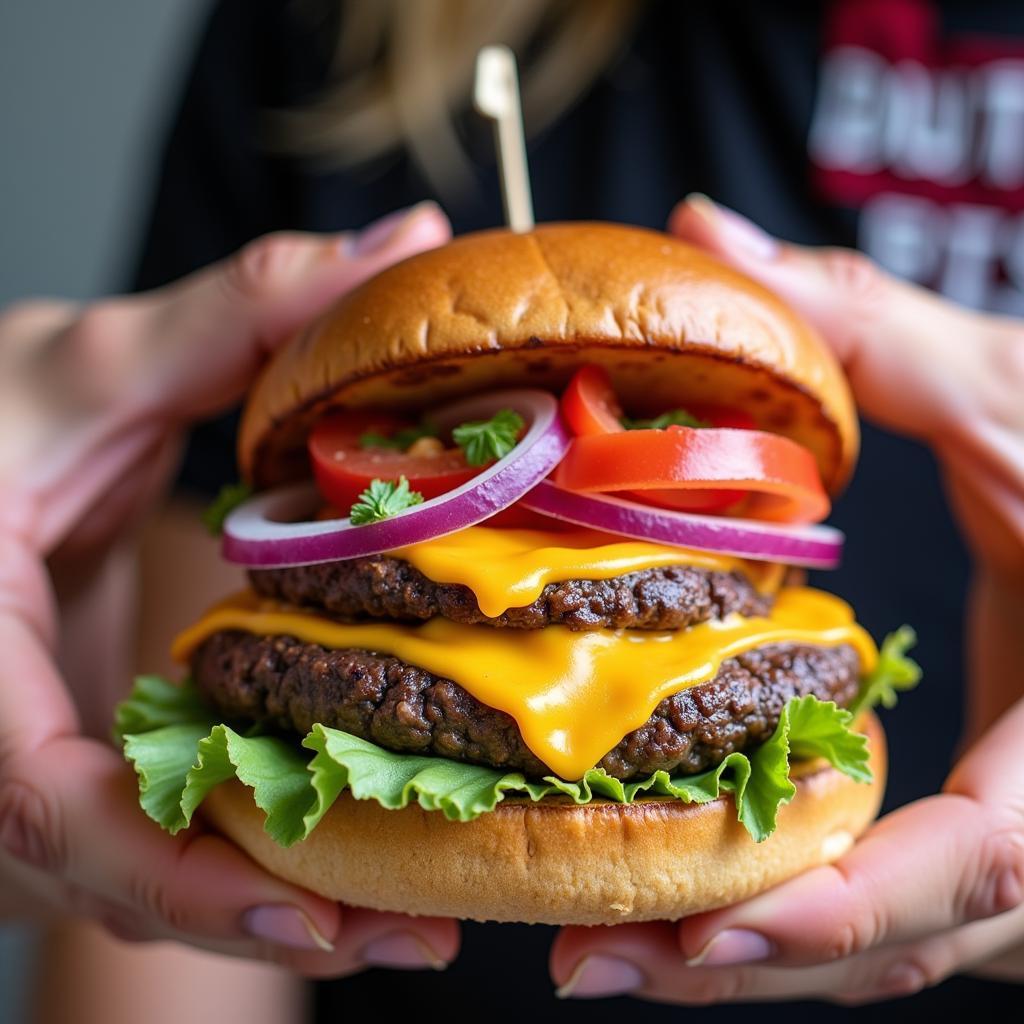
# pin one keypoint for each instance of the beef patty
(291, 685)
(672, 597)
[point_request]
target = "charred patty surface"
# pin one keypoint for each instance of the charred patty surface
(292, 685)
(672, 597)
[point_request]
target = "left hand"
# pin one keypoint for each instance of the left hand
(93, 401)
(936, 887)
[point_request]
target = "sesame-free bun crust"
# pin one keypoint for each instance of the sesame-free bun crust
(497, 309)
(557, 863)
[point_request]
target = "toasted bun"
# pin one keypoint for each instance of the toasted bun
(497, 309)
(555, 862)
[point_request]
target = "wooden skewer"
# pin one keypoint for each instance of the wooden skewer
(496, 95)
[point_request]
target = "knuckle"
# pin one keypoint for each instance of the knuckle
(708, 986)
(255, 271)
(862, 926)
(25, 314)
(99, 346)
(1005, 378)
(870, 982)
(152, 894)
(97, 329)
(844, 942)
(995, 882)
(854, 274)
(732, 985)
(30, 826)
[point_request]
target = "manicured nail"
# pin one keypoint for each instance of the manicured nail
(596, 976)
(403, 950)
(386, 230)
(285, 925)
(737, 231)
(731, 947)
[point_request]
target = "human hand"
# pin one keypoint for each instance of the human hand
(92, 401)
(936, 887)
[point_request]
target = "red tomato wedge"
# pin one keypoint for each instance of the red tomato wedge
(781, 475)
(589, 405)
(343, 468)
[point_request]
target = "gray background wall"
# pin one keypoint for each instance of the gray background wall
(85, 90)
(85, 87)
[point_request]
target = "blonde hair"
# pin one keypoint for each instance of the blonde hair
(402, 69)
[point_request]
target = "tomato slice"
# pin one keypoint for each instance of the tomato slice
(722, 416)
(343, 468)
(692, 499)
(589, 404)
(780, 475)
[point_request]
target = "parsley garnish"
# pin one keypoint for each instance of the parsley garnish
(228, 499)
(402, 440)
(484, 441)
(383, 499)
(673, 418)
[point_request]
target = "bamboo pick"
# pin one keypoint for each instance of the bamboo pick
(496, 95)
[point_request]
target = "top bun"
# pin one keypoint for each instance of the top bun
(493, 309)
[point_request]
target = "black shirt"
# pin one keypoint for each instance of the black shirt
(789, 112)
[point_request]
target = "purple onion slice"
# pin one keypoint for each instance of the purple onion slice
(263, 533)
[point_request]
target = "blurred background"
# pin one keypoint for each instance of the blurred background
(87, 90)
(756, 104)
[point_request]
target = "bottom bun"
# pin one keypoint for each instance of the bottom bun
(554, 862)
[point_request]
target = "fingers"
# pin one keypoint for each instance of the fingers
(918, 364)
(645, 961)
(69, 812)
(369, 938)
(60, 805)
(231, 314)
(126, 372)
(926, 870)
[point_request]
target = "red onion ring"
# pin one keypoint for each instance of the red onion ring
(819, 547)
(257, 533)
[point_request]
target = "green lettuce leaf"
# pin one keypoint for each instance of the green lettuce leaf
(180, 752)
(893, 674)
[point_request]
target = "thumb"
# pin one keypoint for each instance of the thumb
(918, 364)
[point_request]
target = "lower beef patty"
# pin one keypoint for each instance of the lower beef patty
(292, 685)
(672, 597)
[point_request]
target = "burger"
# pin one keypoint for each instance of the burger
(527, 635)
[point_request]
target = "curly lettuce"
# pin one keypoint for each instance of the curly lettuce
(181, 751)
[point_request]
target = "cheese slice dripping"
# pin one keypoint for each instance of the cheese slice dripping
(573, 695)
(509, 568)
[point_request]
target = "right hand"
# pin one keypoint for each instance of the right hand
(92, 403)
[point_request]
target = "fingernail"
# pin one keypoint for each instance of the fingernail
(403, 950)
(731, 947)
(596, 976)
(285, 925)
(737, 231)
(386, 230)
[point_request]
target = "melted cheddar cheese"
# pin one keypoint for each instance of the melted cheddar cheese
(509, 568)
(573, 695)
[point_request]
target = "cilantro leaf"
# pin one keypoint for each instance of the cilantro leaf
(383, 499)
(402, 440)
(227, 500)
(894, 672)
(673, 418)
(483, 441)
